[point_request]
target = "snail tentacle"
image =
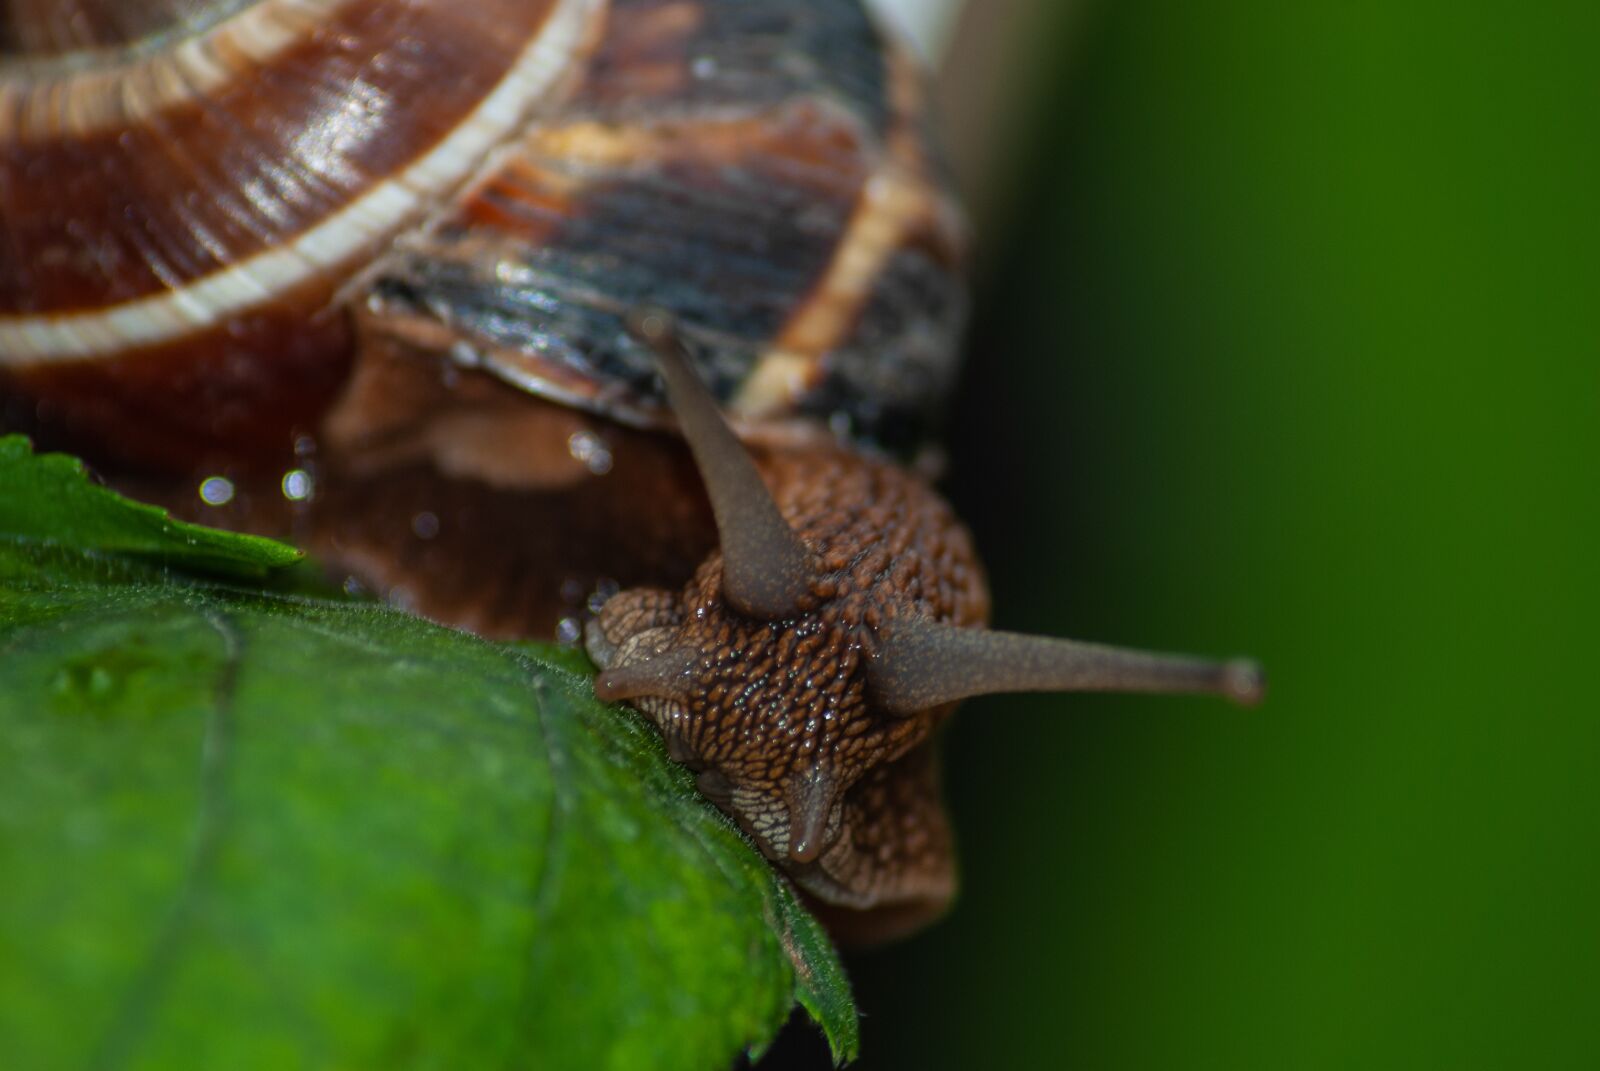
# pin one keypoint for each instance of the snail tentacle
(767, 570)
(811, 801)
(920, 664)
(664, 674)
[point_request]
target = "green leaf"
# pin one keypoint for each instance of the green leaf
(48, 498)
(245, 829)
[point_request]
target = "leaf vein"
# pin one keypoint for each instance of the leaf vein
(150, 980)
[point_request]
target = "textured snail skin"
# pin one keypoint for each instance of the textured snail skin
(778, 716)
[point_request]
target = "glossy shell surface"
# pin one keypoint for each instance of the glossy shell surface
(208, 211)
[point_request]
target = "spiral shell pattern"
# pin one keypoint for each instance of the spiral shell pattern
(177, 177)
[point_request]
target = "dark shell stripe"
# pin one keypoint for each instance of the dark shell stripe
(49, 27)
(716, 221)
(295, 168)
(666, 56)
(758, 168)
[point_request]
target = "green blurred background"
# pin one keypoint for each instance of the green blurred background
(1286, 346)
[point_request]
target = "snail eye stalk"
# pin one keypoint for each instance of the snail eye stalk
(921, 664)
(766, 569)
(666, 674)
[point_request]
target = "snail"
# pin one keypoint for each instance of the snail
(649, 303)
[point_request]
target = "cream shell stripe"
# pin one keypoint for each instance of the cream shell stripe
(361, 224)
(56, 97)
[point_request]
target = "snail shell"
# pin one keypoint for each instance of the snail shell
(208, 210)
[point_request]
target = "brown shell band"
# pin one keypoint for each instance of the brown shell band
(141, 222)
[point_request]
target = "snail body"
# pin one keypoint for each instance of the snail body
(555, 291)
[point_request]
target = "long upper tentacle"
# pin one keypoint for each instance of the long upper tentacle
(766, 568)
(921, 664)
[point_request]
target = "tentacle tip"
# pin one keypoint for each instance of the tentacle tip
(651, 324)
(805, 850)
(810, 800)
(608, 689)
(659, 675)
(1244, 682)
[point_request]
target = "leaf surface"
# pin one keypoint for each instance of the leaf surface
(243, 829)
(49, 499)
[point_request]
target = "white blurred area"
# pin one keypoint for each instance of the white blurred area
(927, 24)
(985, 67)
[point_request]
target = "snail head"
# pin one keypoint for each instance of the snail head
(803, 668)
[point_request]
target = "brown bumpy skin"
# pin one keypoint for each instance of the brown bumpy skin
(777, 716)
